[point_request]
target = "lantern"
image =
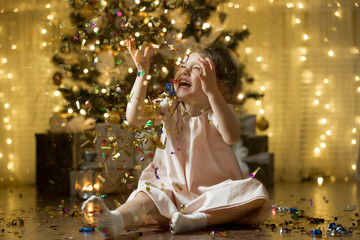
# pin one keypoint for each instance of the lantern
(88, 178)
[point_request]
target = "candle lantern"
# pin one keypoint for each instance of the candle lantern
(87, 182)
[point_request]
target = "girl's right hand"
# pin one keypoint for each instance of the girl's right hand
(142, 62)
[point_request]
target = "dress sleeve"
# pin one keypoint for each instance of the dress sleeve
(212, 119)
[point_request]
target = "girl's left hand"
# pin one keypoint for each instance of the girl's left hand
(207, 75)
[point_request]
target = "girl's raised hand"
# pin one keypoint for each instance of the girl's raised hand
(207, 75)
(142, 62)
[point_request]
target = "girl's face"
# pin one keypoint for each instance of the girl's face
(187, 84)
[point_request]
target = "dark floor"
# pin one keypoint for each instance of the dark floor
(56, 217)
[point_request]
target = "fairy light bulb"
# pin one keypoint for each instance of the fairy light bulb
(326, 81)
(10, 75)
(6, 105)
(86, 70)
(130, 70)
(4, 60)
(205, 26)
(50, 17)
(251, 8)
(317, 150)
(122, 42)
(70, 110)
(323, 137)
(358, 89)
(137, 34)
(318, 93)
(320, 181)
(227, 38)
(328, 132)
(259, 59)
(92, 47)
(248, 50)
(303, 58)
(316, 101)
(357, 78)
(43, 31)
(258, 102)
(290, 5)
(353, 130)
(106, 115)
(230, 4)
(240, 96)
(236, 6)
(8, 141)
(82, 112)
(306, 37)
(6, 119)
(323, 145)
(48, 6)
(297, 21)
(57, 93)
(261, 111)
(327, 106)
(179, 36)
(353, 141)
(353, 167)
(323, 121)
(164, 30)
(300, 5)
(331, 53)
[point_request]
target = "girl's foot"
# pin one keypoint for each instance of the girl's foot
(184, 223)
(108, 222)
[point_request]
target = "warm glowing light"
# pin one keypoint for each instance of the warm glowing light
(179, 36)
(137, 34)
(164, 30)
(70, 110)
(251, 8)
(96, 187)
(4, 60)
(236, 6)
(327, 106)
(323, 137)
(6, 105)
(96, 29)
(338, 14)
(8, 127)
(262, 111)
(248, 50)
(318, 93)
(164, 69)
(44, 44)
(82, 112)
(259, 59)
(258, 102)
(86, 70)
(157, 2)
(262, 88)
(92, 47)
(320, 181)
(6, 120)
(48, 5)
(13, 47)
(357, 78)
(358, 89)
(10, 75)
(103, 90)
(227, 38)
(240, 96)
(9, 141)
(300, 5)
(130, 70)
(290, 5)
(326, 81)
(353, 130)
(173, 21)
(57, 93)
(353, 167)
(1, 155)
(331, 53)
(306, 37)
(106, 115)
(205, 26)
(317, 150)
(323, 121)
(353, 141)
(323, 145)
(230, 4)
(122, 42)
(50, 17)
(303, 58)
(10, 166)
(328, 132)
(316, 101)
(297, 21)
(43, 31)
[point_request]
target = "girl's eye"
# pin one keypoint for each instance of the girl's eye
(196, 68)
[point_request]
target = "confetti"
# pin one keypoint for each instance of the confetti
(156, 173)
(254, 173)
(178, 186)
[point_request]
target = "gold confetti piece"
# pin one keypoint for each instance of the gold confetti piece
(117, 204)
(254, 173)
(105, 147)
(155, 46)
(82, 145)
(116, 156)
(126, 151)
(178, 186)
(151, 184)
(148, 189)
(106, 168)
(137, 167)
(123, 180)
(182, 207)
(101, 178)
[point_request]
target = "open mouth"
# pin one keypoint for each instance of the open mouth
(184, 83)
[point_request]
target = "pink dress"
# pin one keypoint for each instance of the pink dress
(197, 171)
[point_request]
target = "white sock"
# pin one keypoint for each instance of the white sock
(183, 223)
(108, 222)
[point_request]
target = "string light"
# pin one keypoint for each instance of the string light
(320, 181)
(331, 53)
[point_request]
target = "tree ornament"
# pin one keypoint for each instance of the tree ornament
(114, 117)
(57, 78)
(262, 124)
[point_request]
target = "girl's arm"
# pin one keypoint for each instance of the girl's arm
(228, 124)
(136, 113)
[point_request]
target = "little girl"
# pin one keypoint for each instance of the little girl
(195, 180)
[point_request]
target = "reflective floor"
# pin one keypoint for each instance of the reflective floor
(299, 208)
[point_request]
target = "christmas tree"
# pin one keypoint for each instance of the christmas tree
(94, 61)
